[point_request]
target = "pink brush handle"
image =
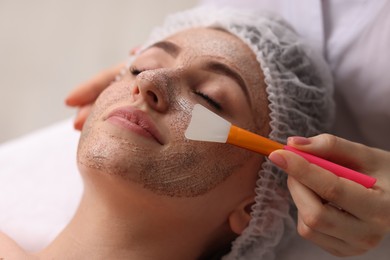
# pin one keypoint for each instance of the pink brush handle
(365, 180)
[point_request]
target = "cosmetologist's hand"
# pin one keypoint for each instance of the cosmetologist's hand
(84, 95)
(339, 215)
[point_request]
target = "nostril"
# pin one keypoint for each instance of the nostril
(136, 90)
(153, 96)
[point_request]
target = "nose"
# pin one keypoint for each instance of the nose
(152, 88)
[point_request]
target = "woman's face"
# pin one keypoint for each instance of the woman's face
(136, 129)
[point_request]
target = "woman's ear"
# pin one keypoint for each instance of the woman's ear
(239, 218)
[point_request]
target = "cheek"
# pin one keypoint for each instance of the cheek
(116, 92)
(190, 168)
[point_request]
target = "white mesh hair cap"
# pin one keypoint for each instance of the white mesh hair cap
(299, 88)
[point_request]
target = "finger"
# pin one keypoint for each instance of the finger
(81, 117)
(313, 212)
(88, 92)
(328, 219)
(341, 151)
(327, 185)
(331, 244)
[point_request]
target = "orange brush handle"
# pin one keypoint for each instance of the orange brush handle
(251, 141)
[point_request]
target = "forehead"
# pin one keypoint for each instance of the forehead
(214, 42)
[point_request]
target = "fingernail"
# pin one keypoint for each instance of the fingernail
(278, 159)
(298, 140)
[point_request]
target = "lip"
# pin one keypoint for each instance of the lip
(135, 120)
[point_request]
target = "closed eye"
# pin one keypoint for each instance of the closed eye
(209, 100)
(135, 71)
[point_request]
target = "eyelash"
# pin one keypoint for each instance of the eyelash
(209, 100)
(135, 71)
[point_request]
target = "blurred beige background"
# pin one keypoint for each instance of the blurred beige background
(47, 47)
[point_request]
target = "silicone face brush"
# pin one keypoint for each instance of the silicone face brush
(208, 126)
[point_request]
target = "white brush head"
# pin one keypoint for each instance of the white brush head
(207, 126)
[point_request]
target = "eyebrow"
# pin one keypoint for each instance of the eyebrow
(169, 47)
(221, 68)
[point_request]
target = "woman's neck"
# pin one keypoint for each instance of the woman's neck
(108, 224)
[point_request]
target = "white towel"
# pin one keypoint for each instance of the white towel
(40, 187)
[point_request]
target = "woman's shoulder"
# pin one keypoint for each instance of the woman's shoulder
(9, 249)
